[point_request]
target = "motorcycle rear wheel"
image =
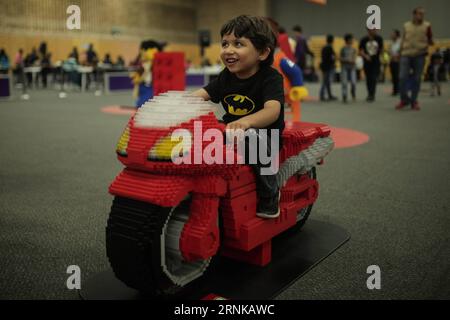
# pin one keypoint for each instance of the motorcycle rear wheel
(142, 242)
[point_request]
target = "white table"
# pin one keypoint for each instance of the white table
(34, 70)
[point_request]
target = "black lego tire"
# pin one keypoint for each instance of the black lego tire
(133, 246)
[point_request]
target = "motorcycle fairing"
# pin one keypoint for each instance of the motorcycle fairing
(162, 190)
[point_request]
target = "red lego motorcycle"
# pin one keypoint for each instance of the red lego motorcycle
(169, 220)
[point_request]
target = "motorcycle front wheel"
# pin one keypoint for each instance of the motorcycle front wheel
(142, 245)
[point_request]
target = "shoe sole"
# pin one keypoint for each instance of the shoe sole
(275, 215)
(267, 216)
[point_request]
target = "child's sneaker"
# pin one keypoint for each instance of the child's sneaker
(269, 207)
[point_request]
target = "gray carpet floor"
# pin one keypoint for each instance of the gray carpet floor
(392, 195)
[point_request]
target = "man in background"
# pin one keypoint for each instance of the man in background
(370, 48)
(417, 36)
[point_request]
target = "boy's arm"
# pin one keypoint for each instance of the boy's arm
(202, 93)
(261, 119)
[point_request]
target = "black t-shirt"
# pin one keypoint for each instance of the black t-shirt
(372, 47)
(328, 58)
(242, 97)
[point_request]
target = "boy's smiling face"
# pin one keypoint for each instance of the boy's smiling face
(240, 56)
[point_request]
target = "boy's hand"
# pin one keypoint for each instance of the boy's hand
(236, 130)
(238, 124)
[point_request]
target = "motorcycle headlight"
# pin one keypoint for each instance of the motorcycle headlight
(123, 142)
(177, 145)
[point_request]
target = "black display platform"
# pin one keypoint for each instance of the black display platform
(294, 253)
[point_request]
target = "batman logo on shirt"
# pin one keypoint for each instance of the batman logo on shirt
(238, 105)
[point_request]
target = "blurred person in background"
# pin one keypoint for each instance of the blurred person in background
(90, 59)
(43, 49)
(446, 63)
(46, 68)
(436, 61)
(19, 64)
(91, 56)
(348, 67)
(417, 37)
(107, 59)
(4, 62)
(120, 63)
(31, 58)
(301, 47)
(370, 48)
(327, 66)
(394, 52)
(74, 54)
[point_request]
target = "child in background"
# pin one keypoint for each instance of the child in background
(327, 66)
(348, 67)
(436, 61)
(248, 45)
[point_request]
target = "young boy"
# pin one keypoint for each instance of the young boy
(248, 45)
(327, 66)
(348, 69)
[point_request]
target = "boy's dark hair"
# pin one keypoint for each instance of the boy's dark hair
(397, 33)
(348, 37)
(257, 30)
(297, 28)
(330, 38)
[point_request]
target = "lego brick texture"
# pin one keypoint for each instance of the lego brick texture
(58, 158)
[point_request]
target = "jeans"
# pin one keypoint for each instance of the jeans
(371, 70)
(348, 73)
(266, 184)
(326, 84)
(411, 69)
